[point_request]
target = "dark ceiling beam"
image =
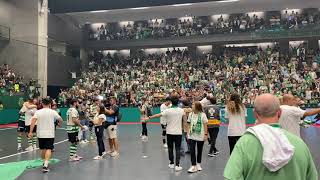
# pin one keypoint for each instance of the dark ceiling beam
(68, 6)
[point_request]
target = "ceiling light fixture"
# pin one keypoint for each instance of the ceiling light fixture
(186, 4)
(137, 8)
(99, 11)
(226, 1)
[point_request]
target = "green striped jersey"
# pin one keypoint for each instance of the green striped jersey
(71, 126)
(22, 117)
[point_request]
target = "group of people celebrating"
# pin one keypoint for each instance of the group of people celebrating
(200, 122)
(194, 122)
(38, 121)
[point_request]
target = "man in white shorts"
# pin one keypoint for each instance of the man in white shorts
(45, 130)
(112, 118)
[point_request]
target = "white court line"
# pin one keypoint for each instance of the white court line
(7, 128)
(5, 157)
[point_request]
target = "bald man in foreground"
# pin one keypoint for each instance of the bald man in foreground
(267, 152)
(292, 115)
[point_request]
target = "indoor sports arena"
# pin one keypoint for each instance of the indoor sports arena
(161, 89)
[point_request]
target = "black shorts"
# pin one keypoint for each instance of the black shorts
(73, 137)
(27, 129)
(21, 126)
(46, 143)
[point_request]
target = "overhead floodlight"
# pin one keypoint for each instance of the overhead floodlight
(99, 11)
(226, 1)
(138, 8)
(186, 4)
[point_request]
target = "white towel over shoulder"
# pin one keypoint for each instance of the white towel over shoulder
(277, 150)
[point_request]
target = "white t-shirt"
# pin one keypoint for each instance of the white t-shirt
(97, 117)
(173, 119)
(28, 115)
(45, 122)
(193, 119)
(237, 122)
(162, 108)
(290, 118)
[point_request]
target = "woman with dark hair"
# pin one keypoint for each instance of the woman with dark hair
(197, 134)
(98, 122)
(236, 114)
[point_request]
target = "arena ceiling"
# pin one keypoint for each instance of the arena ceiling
(189, 9)
(67, 6)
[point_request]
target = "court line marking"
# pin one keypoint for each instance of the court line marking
(5, 157)
(7, 128)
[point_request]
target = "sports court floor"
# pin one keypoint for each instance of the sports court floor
(137, 160)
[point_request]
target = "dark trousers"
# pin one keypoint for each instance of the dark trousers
(213, 133)
(195, 158)
(144, 129)
(164, 133)
(174, 140)
(233, 141)
(99, 133)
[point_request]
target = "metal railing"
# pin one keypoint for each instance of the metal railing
(307, 31)
(4, 32)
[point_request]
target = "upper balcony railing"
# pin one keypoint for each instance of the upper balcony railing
(4, 32)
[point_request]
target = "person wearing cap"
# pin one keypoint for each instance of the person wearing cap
(44, 118)
(268, 152)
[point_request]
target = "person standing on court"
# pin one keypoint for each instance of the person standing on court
(73, 124)
(268, 152)
(98, 122)
(31, 109)
(292, 115)
(163, 107)
(145, 112)
(213, 114)
(44, 118)
(235, 114)
(197, 133)
(173, 117)
(112, 117)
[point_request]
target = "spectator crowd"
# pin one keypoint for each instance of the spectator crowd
(202, 26)
(245, 71)
(12, 84)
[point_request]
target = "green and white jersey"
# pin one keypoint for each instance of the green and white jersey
(71, 126)
(22, 117)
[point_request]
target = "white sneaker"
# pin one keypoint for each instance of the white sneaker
(104, 153)
(165, 146)
(77, 156)
(34, 147)
(109, 152)
(19, 148)
(199, 168)
(144, 138)
(73, 159)
(86, 141)
(114, 154)
(192, 169)
(82, 142)
(98, 158)
(171, 166)
(30, 148)
(178, 168)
